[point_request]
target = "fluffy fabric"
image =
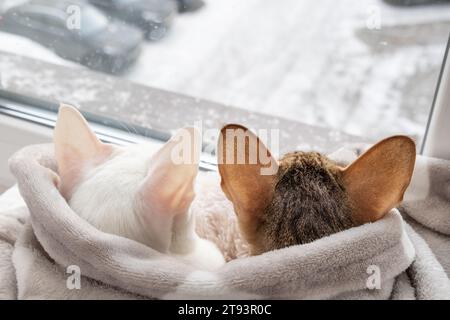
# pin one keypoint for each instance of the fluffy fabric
(345, 265)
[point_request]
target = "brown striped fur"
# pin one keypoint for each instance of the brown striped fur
(309, 196)
(309, 202)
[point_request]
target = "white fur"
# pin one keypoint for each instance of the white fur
(106, 197)
(135, 192)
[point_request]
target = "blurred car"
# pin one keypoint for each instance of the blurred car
(153, 17)
(189, 5)
(99, 43)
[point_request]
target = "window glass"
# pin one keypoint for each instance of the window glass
(368, 68)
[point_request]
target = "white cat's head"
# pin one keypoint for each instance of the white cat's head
(135, 191)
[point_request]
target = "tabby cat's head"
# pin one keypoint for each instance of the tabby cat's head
(308, 196)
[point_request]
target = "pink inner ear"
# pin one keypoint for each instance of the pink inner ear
(169, 186)
(76, 148)
(70, 171)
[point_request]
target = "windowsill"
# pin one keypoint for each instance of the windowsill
(148, 107)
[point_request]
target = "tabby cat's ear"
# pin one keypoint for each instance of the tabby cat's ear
(377, 180)
(247, 171)
(76, 146)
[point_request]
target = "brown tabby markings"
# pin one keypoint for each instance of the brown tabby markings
(309, 202)
(309, 196)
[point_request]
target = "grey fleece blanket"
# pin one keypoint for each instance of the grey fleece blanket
(44, 246)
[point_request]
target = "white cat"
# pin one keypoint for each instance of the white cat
(134, 191)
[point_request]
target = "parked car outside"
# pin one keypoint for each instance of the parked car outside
(189, 5)
(98, 43)
(153, 17)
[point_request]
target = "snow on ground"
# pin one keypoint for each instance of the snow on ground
(19, 45)
(312, 61)
(318, 62)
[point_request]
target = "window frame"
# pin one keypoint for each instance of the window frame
(437, 134)
(153, 112)
(43, 114)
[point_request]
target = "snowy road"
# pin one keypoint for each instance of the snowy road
(321, 62)
(314, 61)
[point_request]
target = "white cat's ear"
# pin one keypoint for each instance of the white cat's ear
(76, 146)
(169, 186)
